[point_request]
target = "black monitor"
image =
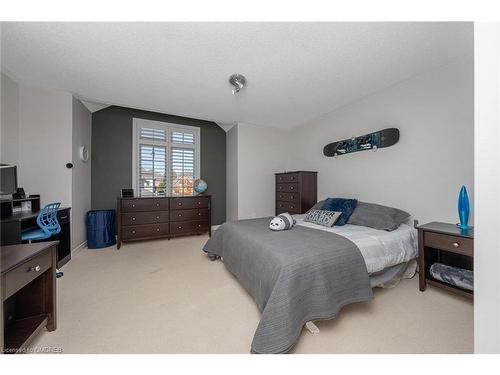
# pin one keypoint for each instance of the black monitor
(8, 179)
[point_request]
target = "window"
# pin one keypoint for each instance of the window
(166, 158)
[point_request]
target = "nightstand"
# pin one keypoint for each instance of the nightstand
(447, 244)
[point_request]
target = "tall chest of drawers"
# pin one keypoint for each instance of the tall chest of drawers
(162, 217)
(296, 192)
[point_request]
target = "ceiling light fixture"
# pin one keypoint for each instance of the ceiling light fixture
(238, 81)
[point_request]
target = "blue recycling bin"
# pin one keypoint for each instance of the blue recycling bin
(100, 228)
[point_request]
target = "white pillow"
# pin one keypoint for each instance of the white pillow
(322, 217)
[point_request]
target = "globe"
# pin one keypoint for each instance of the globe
(200, 186)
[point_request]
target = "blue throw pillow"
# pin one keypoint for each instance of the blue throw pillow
(346, 206)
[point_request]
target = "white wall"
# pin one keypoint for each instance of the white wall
(45, 126)
(10, 121)
(487, 180)
(260, 153)
(421, 174)
(81, 172)
(41, 131)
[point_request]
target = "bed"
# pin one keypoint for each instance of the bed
(389, 256)
(309, 272)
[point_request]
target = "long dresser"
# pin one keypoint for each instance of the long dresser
(296, 192)
(162, 217)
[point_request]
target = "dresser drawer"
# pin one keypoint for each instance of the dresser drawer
(188, 202)
(287, 207)
(288, 197)
(287, 188)
(137, 218)
(185, 215)
(144, 231)
(200, 226)
(288, 177)
(144, 204)
(459, 245)
(27, 272)
(188, 227)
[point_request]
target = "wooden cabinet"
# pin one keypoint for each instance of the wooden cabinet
(296, 192)
(162, 217)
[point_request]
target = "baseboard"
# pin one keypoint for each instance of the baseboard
(77, 249)
(215, 227)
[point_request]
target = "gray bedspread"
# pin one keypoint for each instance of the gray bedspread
(295, 276)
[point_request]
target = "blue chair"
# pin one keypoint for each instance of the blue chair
(47, 221)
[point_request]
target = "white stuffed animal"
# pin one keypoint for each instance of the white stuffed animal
(283, 221)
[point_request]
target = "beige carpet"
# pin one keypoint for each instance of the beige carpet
(167, 297)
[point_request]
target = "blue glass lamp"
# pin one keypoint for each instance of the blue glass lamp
(463, 208)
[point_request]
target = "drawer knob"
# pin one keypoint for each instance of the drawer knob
(133, 218)
(157, 217)
(133, 205)
(157, 205)
(456, 244)
(180, 215)
(199, 202)
(35, 269)
(180, 227)
(199, 213)
(180, 204)
(133, 232)
(199, 225)
(291, 187)
(157, 229)
(292, 206)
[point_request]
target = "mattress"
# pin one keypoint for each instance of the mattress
(380, 249)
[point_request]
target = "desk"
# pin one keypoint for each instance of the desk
(28, 294)
(12, 226)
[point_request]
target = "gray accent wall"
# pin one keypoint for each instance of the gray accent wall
(112, 156)
(81, 173)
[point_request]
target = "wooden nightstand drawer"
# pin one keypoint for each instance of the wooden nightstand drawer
(459, 245)
(27, 272)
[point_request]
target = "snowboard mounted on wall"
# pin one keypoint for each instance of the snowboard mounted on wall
(372, 141)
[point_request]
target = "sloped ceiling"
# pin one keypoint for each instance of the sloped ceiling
(93, 107)
(295, 71)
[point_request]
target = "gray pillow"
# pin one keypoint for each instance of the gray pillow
(377, 216)
(318, 205)
(322, 217)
